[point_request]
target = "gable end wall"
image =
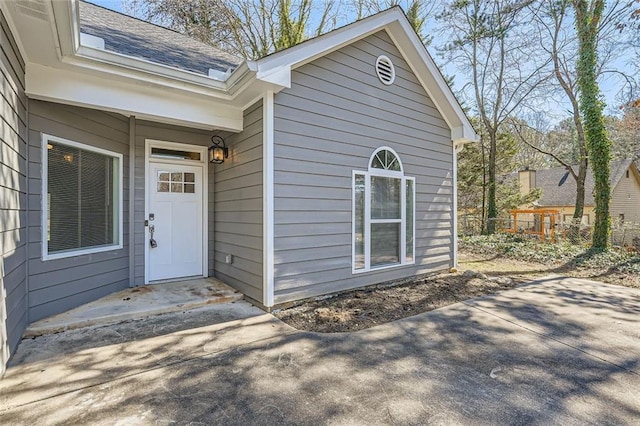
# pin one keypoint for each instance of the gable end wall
(625, 198)
(328, 124)
(13, 194)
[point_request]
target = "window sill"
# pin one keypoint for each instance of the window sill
(381, 268)
(75, 253)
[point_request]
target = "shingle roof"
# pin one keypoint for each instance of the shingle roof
(559, 188)
(134, 37)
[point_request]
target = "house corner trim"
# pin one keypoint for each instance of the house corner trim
(268, 199)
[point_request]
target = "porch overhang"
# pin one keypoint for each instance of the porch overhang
(59, 68)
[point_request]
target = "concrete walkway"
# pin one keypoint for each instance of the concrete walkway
(559, 351)
(138, 302)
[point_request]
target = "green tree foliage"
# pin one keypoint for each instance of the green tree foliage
(473, 178)
(292, 25)
(588, 16)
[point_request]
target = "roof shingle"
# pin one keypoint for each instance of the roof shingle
(133, 37)
(559, 189)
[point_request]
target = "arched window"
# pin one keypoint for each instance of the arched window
(383, 213)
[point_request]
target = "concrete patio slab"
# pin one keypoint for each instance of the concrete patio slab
(138, 302)
(478, 362)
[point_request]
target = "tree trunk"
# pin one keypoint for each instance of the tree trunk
(587, 20)
(483, 224)
(574, 231)
(492, 207)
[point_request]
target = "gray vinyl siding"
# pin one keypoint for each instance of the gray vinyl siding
(328, 124)
(58, 285)
(167, 133)
(625, 197)
(13, 192)
(238, 208)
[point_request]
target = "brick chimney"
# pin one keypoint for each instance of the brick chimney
(527, 179)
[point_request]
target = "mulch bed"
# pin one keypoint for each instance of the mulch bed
(367, 307)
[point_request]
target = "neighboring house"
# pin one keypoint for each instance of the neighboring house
(559, 191)
(341, 166)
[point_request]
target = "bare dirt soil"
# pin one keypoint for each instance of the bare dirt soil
(363, 308)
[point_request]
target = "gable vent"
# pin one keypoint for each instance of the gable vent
(385, 70)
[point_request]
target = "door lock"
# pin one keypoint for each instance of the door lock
(152, 241)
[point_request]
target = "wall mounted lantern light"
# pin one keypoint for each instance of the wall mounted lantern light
(218, 151)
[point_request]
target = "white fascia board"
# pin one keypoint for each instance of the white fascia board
(143, 69)
(239, 77)
(280, 76)
(149, 102)
(65, 26)
(463, 134)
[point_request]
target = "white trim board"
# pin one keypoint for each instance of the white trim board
(268, 212)
(152, 143)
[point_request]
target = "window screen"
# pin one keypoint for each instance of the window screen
(82, 198)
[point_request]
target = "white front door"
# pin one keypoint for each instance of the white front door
(175, 221)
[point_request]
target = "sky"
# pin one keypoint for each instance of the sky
(555, 110)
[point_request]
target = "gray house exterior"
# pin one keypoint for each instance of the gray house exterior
(340, 173)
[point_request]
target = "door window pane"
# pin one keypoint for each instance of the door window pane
(385, 198)
(385, 243)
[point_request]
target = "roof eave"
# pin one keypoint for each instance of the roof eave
(67, 28)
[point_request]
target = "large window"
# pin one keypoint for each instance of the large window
(383, 214)
(82, 189)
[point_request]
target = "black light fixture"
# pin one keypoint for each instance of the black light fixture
(218, 151)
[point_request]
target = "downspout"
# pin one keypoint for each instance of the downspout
(132, 198)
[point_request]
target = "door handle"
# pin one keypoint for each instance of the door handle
(152, 241)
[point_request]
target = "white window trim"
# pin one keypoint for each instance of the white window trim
(45, 202)
(367, 215)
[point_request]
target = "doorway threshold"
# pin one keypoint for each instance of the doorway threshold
(138, 302)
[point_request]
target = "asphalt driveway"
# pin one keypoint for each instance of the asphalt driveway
(563, 351)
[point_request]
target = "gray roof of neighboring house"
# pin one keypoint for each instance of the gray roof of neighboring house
(559, 188)
(134, 37)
